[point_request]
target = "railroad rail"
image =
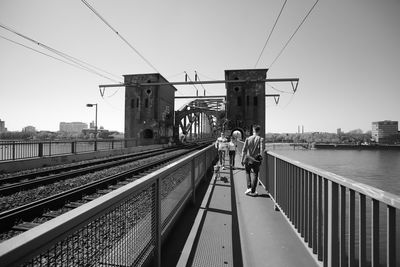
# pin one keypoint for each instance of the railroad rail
(14, 183)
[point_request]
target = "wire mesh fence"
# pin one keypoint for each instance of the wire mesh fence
(121, 228)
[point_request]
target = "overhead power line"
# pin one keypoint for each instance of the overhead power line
(281, 91)
(82, 64)
(119, 35)
(294, 33)
(269, 36)
(35, 50)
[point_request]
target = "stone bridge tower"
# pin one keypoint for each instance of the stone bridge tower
(245, 100)
(149, 109)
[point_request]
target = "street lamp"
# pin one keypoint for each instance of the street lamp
(95, 129)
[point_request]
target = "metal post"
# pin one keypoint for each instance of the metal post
(352, 227)
(193, 178)
(73, 146)
(333, 225)
(13, 150)
(95, 127)
(391, 236)
(275, 186)
(362, 232)
(375, 233)
(40, 150)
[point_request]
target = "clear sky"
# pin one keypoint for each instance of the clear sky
(346, 55)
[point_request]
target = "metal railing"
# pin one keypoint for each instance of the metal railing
(344, 222)
(122, 228)
(14, 150)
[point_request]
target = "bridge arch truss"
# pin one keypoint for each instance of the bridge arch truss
(200, 119)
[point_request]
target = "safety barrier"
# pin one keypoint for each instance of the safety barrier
(344, 222)
(122, 228)
(14, 150)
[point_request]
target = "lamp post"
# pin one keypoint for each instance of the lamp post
(95, 129)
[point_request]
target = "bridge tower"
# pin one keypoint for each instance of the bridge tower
(245, 101)
(149, 109)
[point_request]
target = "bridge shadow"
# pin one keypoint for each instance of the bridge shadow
(215, 238)
(175, 242)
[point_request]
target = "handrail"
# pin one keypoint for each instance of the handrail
(125, 226)
(370, 191)
(15, 150)
(321, 206)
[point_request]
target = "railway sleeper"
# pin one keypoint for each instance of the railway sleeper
(115, 186)
(89, 198)
(73, 205)
(104, 191)
(51, 214)
(122, 183)
(25, 226)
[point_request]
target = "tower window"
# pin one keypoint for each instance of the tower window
(239, 101)
(248, 100)
(146, 103)
(255, 101)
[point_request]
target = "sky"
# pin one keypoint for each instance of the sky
(346, 55)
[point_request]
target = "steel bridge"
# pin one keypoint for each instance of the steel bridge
(303, 216)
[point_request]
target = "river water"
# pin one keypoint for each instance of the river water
(378, 168)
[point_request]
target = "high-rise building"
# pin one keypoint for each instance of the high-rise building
(72, 127)
(92, 125)
(3, 128)
(384, 131)
(29, 129)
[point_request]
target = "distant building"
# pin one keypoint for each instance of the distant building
(72, 127)
(92, 125)
(3, 128)
(29, 129)
(339, 131)
(384, 131)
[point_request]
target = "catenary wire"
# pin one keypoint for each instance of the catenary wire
(82, 64)
(281, 91)
(40, 52)
(119, 35)
(175, 75)
(294, 33)
(269, 36)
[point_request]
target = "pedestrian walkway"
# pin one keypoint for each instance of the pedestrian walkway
(233, 229)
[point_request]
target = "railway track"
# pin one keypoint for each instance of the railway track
(23, 218)
(9, 182)
(16, 183)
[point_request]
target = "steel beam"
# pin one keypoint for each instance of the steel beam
(204, 82)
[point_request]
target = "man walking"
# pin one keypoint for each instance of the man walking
(251, 158)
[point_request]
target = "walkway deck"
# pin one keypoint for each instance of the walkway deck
(233, 229)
